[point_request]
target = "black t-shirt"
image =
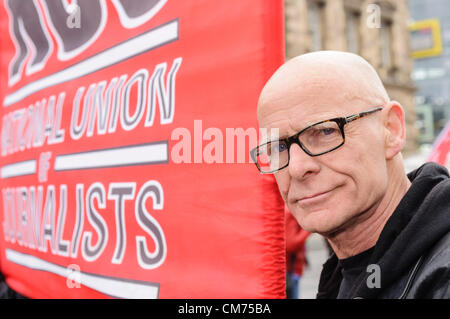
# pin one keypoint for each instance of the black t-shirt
(351, 268)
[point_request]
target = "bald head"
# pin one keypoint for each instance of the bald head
(344, 186)
(313, 77)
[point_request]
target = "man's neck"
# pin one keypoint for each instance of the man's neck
(364, 232)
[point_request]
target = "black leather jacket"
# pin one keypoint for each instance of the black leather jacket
(428, 279)
(413, 250)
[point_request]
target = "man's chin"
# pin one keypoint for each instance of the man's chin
(320, 222)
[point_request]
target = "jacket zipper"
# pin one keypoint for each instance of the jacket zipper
(411, 278)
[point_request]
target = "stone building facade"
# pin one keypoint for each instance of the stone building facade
(376, 30)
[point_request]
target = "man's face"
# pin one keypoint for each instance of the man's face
(329, 192)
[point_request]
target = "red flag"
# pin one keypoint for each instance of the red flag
(441, 147)
(124, 155)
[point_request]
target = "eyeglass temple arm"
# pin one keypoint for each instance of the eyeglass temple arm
(354, 117)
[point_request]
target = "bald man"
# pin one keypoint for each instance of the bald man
(338, 165)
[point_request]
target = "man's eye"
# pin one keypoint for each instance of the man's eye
(276, 148)
(328, 131)
(282, 147)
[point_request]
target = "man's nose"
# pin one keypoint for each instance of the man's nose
(301, 165)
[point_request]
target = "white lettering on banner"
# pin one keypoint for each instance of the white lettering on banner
(35, 217)
(63, 245)
(120, 192)
(40, 217)
(147, 41)
(95, 112)
(102, 108)
(48, 229)
(33, 221)
(89, 251)
(27, 26)
(34, 126)
(130, 20)
(73, 30)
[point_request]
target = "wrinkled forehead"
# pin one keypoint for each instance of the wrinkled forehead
(301, 92)
(306, 103)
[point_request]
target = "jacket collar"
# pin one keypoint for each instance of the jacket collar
(420, 214)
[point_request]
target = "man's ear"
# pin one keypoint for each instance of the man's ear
(394, 122)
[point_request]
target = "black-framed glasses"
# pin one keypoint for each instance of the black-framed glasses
(317, 139)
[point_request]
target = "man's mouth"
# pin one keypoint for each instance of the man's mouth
(315, 197)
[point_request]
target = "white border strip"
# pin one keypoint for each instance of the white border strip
(114, 287)
(154, 153)
(18, 169)
(147, 41)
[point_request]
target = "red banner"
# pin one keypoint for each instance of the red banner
(441, 147)
(125, 133)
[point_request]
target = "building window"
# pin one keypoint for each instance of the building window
(386, 40)
(316, 24)
(352, 20)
